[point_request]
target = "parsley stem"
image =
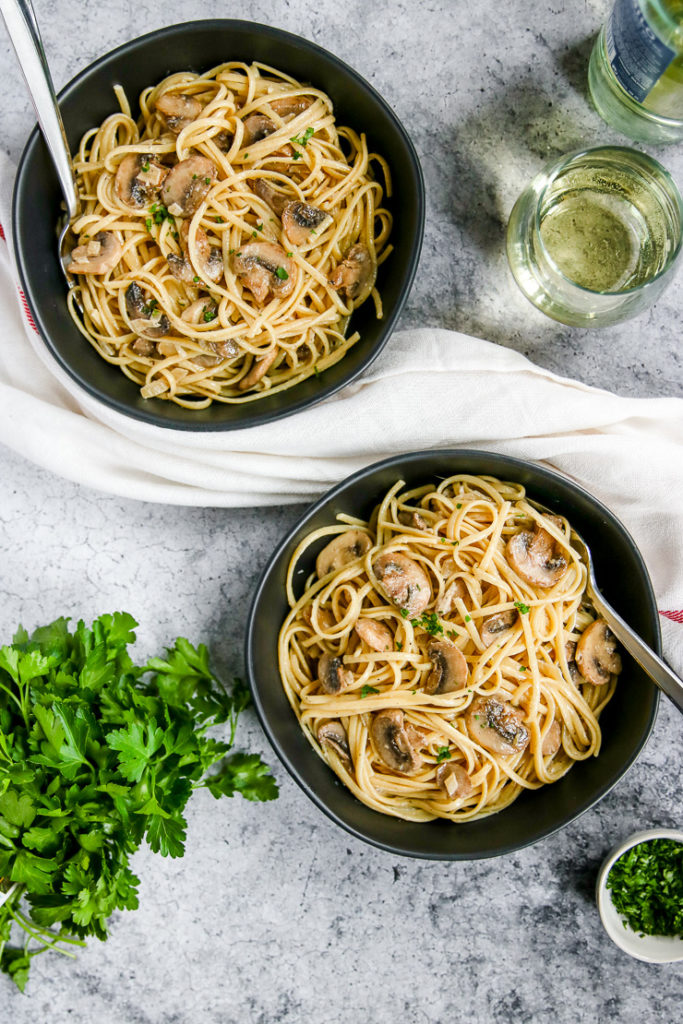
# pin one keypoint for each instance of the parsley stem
(49, 939)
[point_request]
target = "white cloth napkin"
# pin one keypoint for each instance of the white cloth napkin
(430, 388)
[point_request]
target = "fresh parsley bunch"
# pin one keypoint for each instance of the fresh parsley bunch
(97, 754)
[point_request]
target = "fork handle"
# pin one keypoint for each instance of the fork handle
(23, 31)
(658, 671)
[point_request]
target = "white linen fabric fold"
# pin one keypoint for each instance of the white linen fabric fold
(429, 389)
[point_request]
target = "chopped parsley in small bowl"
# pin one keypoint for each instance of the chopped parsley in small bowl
(639, 893)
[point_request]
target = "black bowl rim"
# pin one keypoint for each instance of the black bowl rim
(299, 528)
(388, 322)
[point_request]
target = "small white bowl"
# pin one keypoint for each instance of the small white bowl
(654, 949)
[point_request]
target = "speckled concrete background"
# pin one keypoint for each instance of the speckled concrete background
(275, 915)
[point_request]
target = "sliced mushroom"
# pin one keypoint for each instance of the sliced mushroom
(177, 111)
(570, 650)
(333, 739)
(256, 128)
(497, 725)
(345, 548)
(145, 317)
(413, 519)
(144, 347)
(552, 740)
(332, 675)
(300, 221)
(456, 589)
(265, 269)
(259, 369)
(449, 672)
(139, 177)
(188, 184)
(208, 258)
(326, 619)
(403, 581)
(597, 657)
(536, 557)
(492, 627)
(375, 634)
(270, 195)
(289, 106)
(454, 780)
(393, 743)
(98, 255)
(356, 274)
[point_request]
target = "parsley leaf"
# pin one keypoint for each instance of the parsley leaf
(443, 754)
(367, 690)
(522, 608)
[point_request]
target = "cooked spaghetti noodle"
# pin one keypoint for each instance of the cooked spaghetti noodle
(439, 658)
(226, 236)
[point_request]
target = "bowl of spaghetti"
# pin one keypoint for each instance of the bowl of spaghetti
(427, 665)
(236, 256)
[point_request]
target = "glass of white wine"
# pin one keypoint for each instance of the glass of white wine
(596, 236)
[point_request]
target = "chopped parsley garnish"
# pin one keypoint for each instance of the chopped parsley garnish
(148, 223)
(399, 645)
(209, 314)
(194, 177)
(282, 273)
(468, 618)
(161, 213)
(259, 227)
(316, 371)
(522, 608)
(404, 613)
(145, 166)
(231, 252)
(429, 622)
(443, 754)
(246, 156)
(254, 234)
(646, 884)
(296, 155)
(207, 181)
(459, 505)
(219, 220)
(302, 140)
(290, 254)
(523, 668)
(451, 634)
(367, 690)
(195, 279)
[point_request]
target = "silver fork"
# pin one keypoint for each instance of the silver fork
(23, 31)
(658, 671)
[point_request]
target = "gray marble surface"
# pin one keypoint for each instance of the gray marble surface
(275, 915)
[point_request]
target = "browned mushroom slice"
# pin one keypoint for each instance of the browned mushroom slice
(259, 369)
(144, 347)
(449, 672)
(393, 743)
(454, 780)
(495, 625)
(301, 222)
(265, 268)
(570, 651)
(289, 106)
(145, 317)
(325, 618)
(269, 194)
(497, 725)
(208, 258)
(403, 581)
(98, 255)
(256, 128)
(456, 589)
(188, 184)
(177, 111)
(345, 548)
(536, 557)
(413, 519)
(139, 178)
(333, 739)
(552, 740)
(597, 657)
(375, 634)
(355, 276)
(332, 675)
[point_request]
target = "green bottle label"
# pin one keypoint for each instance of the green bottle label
(638, 56)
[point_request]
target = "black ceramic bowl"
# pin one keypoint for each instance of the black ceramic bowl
(198, 46)
(626, 722)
